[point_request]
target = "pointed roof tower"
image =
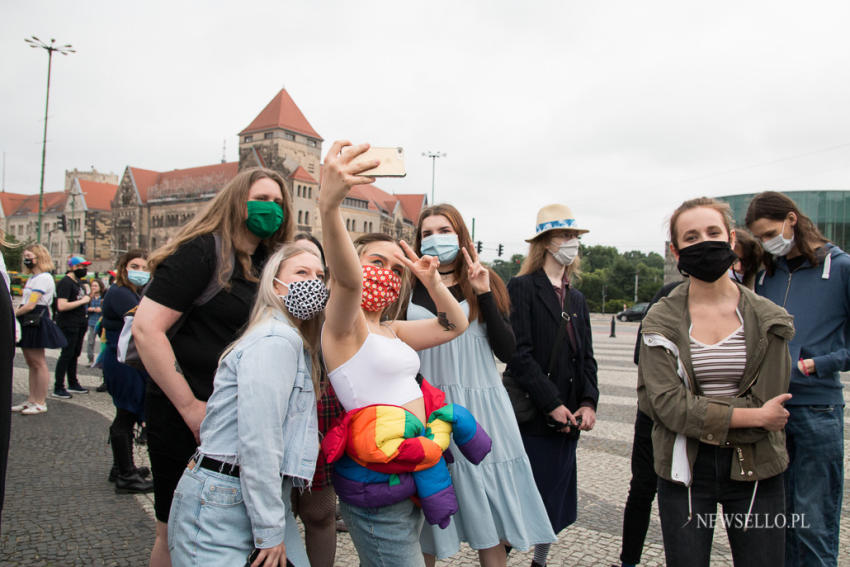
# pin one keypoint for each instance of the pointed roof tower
(281, 112)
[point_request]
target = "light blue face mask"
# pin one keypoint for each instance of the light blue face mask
(443, 246)
(138, 277)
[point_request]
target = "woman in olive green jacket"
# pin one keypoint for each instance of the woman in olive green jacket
(713, 375)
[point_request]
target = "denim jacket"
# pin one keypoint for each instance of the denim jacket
(262, 416)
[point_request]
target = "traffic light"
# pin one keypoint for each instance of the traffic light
(63, 223)
(501, 249)
(478, 247)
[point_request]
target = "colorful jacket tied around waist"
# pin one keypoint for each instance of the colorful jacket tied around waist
(384, 454)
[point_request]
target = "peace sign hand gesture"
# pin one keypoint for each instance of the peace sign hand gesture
(478, 275)
(424, 268)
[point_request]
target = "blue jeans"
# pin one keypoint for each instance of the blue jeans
(688, 543)
(814, 483)
(209, 524)
(387, 536)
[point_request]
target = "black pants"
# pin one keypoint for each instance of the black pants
(641, 492)
(687, 543)
(67, 363)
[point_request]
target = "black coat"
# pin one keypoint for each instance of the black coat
(535, 316)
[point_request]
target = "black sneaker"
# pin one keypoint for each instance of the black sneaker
(77, 389)
(62, 394)
(144, 472)
(102, 387)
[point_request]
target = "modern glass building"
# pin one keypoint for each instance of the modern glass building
(829, 210)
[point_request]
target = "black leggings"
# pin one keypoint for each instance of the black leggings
(67, 362)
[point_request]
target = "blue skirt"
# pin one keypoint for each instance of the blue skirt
(124, 383)
(44, 335)
(553, 462)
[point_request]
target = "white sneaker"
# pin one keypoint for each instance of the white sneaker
(34, 409)
(23, 406)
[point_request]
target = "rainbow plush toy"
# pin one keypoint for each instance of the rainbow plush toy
(385, 454)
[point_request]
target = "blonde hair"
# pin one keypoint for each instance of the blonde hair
(42, 258)
(225, 214)
(268, 303)
(537, 256)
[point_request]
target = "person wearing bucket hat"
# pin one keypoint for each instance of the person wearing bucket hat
(71, 317)
(560, 379)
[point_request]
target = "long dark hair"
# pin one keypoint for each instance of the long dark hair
(121, 269)
(751, 255)
(776, 206)
(497, 286)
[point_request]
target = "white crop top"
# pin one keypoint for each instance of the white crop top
(383, 371)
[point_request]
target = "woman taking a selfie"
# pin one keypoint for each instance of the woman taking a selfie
(713, 375)
(260, 427)
(38, 331)
(217, 258)
(553, 362)
(370, 361)
(498, 502)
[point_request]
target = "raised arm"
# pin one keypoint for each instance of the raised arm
(340, 173)
(450, 321)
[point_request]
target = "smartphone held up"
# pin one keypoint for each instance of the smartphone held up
(392, 162)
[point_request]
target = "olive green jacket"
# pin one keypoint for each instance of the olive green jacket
(669, 394)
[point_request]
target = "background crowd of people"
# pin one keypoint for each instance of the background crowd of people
(282, 373)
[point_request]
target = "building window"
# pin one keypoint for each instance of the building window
(289, 136)
(311, 143)
(311, 192)
(299, 217)
(306, 217)
(248, 139)
(268, 136)
(153, 243)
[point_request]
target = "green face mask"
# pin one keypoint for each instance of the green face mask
(264, 218)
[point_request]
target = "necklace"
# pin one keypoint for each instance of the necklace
(445, 273)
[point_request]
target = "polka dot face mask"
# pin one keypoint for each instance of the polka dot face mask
(305, 299)
(380, 287)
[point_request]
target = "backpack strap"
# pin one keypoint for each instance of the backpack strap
(214, 286)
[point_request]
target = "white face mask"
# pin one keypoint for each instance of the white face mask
(779, 245)
(306, 298)
(566, 252)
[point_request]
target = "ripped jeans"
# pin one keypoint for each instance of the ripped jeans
(688, 543)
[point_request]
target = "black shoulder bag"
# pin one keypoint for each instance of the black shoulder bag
(524, 408)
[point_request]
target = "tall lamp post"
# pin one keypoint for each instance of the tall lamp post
(34, 42)
(433, 156)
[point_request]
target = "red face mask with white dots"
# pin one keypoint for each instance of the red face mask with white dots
(380, 287)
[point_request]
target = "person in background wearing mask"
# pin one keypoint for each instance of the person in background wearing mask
(71, 301)
(223, 247)
(124, 383)
(713, 375)
(94, 311)
(38, 294)
(497, 500)
(750, 253)
(563, 389)
(810, 277)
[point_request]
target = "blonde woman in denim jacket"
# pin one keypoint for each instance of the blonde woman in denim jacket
(259, 438)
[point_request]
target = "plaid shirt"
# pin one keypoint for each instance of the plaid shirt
(329, 409)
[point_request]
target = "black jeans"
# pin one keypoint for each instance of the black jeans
(688, 543)
(641, 491)
(67, 363)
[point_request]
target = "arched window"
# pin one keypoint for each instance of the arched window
(299, 217)
(306, 217)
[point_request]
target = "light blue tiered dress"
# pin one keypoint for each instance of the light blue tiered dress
(498, 500)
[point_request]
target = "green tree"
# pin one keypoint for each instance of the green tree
(13, 253)
(507, 269)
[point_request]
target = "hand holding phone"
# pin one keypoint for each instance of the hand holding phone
(253, 557)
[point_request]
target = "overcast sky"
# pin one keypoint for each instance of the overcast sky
(619, 109)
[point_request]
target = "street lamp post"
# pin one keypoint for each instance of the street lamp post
(433, 156)
(34, 42)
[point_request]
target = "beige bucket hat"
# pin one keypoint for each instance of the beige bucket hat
(555, 217)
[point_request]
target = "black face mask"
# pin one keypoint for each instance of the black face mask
(29, 262)
(708, 260)
(81, 272)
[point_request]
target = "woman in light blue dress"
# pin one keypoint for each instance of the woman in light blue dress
(498, 499)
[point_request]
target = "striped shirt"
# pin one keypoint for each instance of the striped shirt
(718, 368)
